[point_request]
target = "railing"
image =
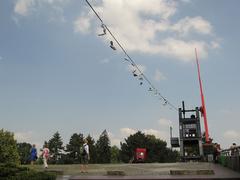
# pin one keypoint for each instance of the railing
(230, 158)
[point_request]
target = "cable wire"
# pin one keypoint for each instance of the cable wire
(132, 62)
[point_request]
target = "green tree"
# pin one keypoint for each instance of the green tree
(24, 152)
(92, 149)
(137, 140)
(115, 154)
(8, 148)
(55, 146)
(157, 150)
(73, 148)
(103, 148)
(173, 156)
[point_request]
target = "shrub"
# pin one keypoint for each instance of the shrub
(8, 148)
(14, 172)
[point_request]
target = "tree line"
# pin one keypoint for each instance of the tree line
(100, 151)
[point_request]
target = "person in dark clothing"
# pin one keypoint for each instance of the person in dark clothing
(234, 150)
(216, 153)
(85, 157)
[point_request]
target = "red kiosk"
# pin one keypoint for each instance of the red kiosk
(140, 154)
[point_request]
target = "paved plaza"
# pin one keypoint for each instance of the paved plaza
(194, 170)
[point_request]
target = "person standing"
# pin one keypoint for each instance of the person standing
(215, 153)
(218, 151)
(45, 155)
(33, 154)
(233, 149)
(85, 157)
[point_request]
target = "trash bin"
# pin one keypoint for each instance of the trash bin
(210, 158)
(223, 160)
(220, 160)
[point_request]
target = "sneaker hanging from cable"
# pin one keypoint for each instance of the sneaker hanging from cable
(112, 46)
(134, 73)
(104, 30)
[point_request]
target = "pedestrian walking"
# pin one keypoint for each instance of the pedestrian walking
(33, 154)
(45, 155)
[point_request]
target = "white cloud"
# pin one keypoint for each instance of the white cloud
(1, 58)
(231, 134)
(22, 7)
(164, 122)
(114, 140)
(30, 7)
(146, 27)
(196, 24)
(159, 75)
(57, 14)
(127, 131)
(183, 49)
(215, 44)
(54, 1)
(186, 1)
(140, 25)
(82, 24)
(105, 61)
(157, 133)
(23, 136)
(28, 137)
(151, 132)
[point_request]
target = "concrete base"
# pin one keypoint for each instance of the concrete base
(116, 173)
(192, 172)
(213, 171)
(56, 171)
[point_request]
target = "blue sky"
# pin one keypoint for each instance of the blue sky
(57, 74)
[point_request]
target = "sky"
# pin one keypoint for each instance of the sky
(57, 74)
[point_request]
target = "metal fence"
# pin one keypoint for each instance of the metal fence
(230, 158)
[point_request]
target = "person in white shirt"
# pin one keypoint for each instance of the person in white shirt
(45, 155)
(85, 157)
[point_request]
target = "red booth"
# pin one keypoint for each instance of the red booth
(140, 154)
